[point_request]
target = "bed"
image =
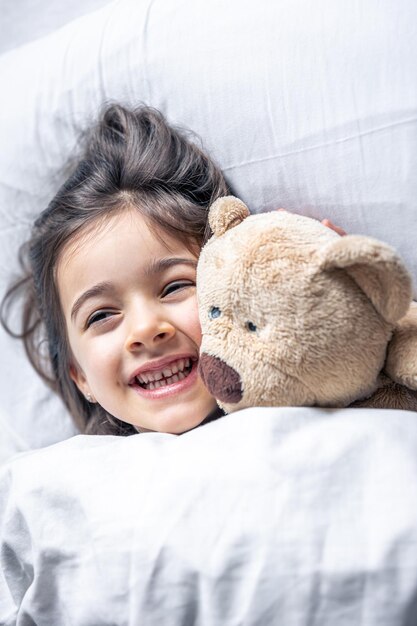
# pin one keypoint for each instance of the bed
(267, 516)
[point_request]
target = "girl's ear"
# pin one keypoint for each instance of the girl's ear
(225, 213)
(78, 377)
(377, 270)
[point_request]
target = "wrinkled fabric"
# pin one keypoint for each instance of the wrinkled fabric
(266, 516)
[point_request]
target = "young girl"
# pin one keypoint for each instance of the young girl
(110, 279)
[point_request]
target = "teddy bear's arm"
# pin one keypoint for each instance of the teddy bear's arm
(401, 360)
(397, 384)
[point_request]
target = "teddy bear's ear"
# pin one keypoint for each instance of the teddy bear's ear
(377, 270)
(225, 213)
(401, 361)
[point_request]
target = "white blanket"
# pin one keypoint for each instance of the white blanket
(265, 517)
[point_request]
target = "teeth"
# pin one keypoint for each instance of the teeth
(150, 377)
(167, 376)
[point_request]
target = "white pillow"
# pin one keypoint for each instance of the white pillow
(310, 106)
(23, 23)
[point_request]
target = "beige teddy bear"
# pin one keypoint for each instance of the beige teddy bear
(292, 314)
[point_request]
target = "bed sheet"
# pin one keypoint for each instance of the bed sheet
(268, 516)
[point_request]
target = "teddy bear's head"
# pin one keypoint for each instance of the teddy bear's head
(292, 314)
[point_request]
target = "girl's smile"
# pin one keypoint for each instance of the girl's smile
(129, 303)
(166, 377)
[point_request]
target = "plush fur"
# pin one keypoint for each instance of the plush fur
(292, 314)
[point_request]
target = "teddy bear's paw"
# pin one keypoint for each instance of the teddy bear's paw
(389, 395)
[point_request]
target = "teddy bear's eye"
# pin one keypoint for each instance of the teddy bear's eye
(214, 312)
(251, 327)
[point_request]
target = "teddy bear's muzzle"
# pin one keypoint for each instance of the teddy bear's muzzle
(221, 380)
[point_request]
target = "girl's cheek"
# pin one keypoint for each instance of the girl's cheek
(97, 354)
(190, 320)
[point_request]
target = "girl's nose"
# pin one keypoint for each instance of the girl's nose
(149, 332)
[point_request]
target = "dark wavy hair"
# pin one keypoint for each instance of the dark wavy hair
(130, 158)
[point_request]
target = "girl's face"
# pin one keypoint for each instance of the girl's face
(130, 308)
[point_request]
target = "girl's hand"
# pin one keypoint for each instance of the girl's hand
(336, 229)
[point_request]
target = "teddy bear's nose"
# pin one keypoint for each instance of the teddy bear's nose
(221, 380)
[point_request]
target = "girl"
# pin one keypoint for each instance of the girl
(109, 279)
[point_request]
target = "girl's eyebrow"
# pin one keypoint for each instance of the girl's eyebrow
(96, 290)
(154, 267)
(159, 265)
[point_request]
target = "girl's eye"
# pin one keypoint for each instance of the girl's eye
(98, 316)
(176, 286)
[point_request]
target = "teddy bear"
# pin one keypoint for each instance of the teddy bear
(293, 314)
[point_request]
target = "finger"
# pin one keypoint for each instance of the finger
(337, 229)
